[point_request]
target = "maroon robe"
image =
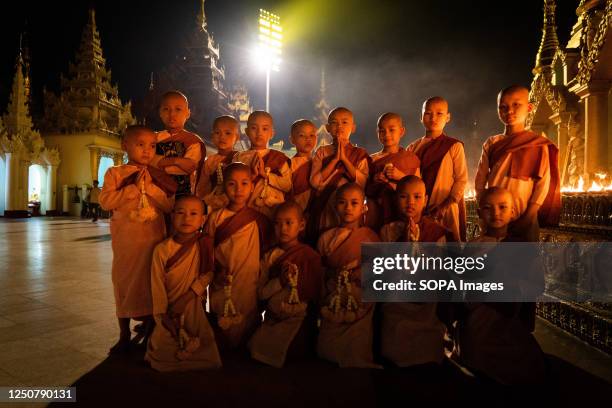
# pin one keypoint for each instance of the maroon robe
(232, 224)
(159, 177)
(383, 194)
(355, 155)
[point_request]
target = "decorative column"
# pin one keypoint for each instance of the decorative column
(65, 200)
(94, 162)
(9, 184)
(118, 159)
(24, 184)
(561, 121)
(51, 185)
(594, 96)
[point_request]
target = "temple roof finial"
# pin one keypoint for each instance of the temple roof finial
(550, 43)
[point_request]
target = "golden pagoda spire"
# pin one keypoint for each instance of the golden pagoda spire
(201, 16)
(550, 43)
(17, 118)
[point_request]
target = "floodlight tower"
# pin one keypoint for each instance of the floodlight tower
(270, 44)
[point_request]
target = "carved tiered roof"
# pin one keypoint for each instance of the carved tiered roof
(17, 132)
(88, 100)
(199, 74)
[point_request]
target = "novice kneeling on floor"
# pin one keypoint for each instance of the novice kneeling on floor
(291, 283)
(180, 272)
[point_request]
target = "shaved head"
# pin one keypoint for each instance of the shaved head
(350, 187)
(289, 206)
(390, 116)
(494, 191)
(134, 130)
(260, 114)
(409, 181)
(339, 109)
(295, 126)
(513, 89)
(173, 94)
(435, 99)
(189, 198)
(226, 119)
(234, 167)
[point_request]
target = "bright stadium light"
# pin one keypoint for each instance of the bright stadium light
(270, 44)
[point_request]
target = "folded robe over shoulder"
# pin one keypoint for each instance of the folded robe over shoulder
(178, 268)
(280, 333)
(347, 344)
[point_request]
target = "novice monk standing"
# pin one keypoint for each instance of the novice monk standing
(138, 195)
(411, 332)
(240, 235)
(332, 166)
(523, 162)
(291, 283)
(226, 132)
(495, 338)
(346, 332)
(443, 168)
(388, 167)
(181, 269)
(179, 153)
(304, 138)
(270, 168)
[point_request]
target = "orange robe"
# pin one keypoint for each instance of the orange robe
(347, 343)
(496, 339)
(279, 179)
(237, 253)
(323, 215)
(444, 171)
(381, 196)
(287, 332)
(133, 241)
(169, 281)
(526, 164)
(411, 332)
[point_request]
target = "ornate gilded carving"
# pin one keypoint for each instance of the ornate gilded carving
(594, 33)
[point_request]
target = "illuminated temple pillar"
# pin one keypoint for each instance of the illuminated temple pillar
(594, 96)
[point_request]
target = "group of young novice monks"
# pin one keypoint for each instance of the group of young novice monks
(203, 247)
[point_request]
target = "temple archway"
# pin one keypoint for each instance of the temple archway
(37, 189)
(2, 185)
(105, 164)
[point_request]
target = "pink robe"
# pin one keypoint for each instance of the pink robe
(411, 332)
(168, 284)
(132, 241)
(237, 255)
(445, 178)
(348, 344)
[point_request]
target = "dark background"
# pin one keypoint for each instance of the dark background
(378, 55)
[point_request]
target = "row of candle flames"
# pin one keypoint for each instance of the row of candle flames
(600, 185)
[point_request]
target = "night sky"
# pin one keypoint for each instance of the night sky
(378, 55)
